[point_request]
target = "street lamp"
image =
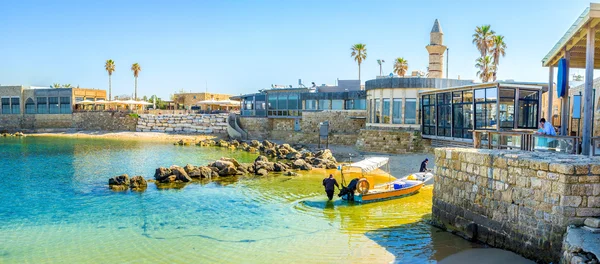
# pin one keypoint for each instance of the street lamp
(380, 62)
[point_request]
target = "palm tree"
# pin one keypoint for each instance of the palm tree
(136, 71)
(359, 53)
(400, 66)
(68, 85)
(486, 68)
(483, 39)
(498, 49)
(56, 85)
(110, 68)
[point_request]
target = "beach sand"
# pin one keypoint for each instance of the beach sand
(150, 136)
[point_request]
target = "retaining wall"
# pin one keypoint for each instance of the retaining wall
(106, 121)
(391, 141)
(193, 123)
(520, 201)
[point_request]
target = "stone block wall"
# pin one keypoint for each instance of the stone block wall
(391, 141)
(193, 123)
(10, 123)
(105, 121)
(340, 122)
(257, 127)
(520, 201)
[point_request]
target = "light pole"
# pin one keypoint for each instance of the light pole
(380, 62)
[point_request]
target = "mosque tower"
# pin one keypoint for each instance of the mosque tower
(436, 51)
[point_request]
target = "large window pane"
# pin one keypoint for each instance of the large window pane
(324, 104)
(15, 105)
(491, 94)
(410, 117)
(42, 105)
(5, 105)
(337, 104)
(467, 96)
(397, 113)
(360, 104)
(293, 101)
(310, 105)
(480, 116)
(53, 105)
(65, 105)
(29, 106)
(527, 94)
(282, 102)
(386, 111)
(507, 112)
(376, 111)
(528, 114)
(491, 111)
(272, 102)
(480, 95)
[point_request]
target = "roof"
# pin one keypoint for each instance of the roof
(370, 164)
(574, 41)
(524, 85)
(436, 27)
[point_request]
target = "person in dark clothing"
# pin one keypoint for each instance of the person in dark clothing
(424, 165)
(329, 183)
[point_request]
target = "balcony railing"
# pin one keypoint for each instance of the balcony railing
(525, 140)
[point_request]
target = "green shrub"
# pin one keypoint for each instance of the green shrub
(134, 115)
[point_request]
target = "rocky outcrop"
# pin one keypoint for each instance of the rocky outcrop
(138, 183)
(171, 174)
(119, 183)
(301, 165)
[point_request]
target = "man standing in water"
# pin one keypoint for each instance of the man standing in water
(329, 183)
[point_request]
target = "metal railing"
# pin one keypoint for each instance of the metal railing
(525, 140)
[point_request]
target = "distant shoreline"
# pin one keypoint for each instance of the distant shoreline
(148, 136)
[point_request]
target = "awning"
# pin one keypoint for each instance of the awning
(85, 102)
(221, 103)
(370, 164)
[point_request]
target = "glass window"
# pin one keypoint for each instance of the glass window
(5, 105)
(337, 104)
(15, 105)
(386, 111)
(507, 108)
(29, 106)
(480, 95)
(410, 109)
(485, 108)
(491, 94)
(444, 112)
(528, 94)
(272, 102)
(360, 104)
(528, 109)
(397, 112)
(282, 103)
(293, 102)
(467, 96)
(53, 105)
(324, 104)
(457, 97)
(42, 105)
(310, 105)
(65, 105)
(376, 111)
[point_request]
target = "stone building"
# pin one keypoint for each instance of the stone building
(189, 100)
(436, 51)
(20, 100)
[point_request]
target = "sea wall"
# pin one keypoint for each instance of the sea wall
(520, 201)
(391, 141)
(193, 123)
(104, 121)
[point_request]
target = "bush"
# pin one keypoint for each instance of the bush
(134, 115)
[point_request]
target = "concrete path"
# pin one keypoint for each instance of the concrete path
(485, 256)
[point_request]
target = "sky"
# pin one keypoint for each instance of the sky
(240, 47)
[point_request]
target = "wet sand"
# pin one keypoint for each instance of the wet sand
(149, 136)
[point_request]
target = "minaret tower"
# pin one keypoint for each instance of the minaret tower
(436, 51)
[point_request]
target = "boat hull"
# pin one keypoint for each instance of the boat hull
(385, 195)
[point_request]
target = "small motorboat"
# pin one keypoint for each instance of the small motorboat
(360, 190)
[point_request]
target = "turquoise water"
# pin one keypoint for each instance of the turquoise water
(56, 208)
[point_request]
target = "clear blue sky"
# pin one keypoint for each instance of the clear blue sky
(242, 46)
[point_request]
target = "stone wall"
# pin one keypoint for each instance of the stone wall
(520, 201)
(257, 127)
(105, 121)
(193, 123)
(340, 122)
(391, 141)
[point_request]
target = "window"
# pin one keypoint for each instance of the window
(444, 114)
(260, 104)
(410, 108)
(324, 104)
(272, 106)
(528, 109)
(15, 105)
(293, 102)
(337, 104)
(42, 105)
(53, 105)
(397, 111)
(310, 105)
(282, 103)
(29, 106)
(507, 108)
(462, 114)
(65, 105)
(428, 114)
(5, 105)
(370, 111)
(386, 111)
(485, 108)
(377, 116)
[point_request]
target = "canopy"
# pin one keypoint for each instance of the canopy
(85, 102)
(370, 164)
(102, 102)
(222, 103)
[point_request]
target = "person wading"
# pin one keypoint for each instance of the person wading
(424, 166)
(329, 183)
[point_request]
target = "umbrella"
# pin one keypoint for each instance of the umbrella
(85, 102)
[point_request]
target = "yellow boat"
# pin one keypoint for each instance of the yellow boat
(360, 190)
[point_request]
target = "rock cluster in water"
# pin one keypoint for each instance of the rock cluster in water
(16, 134)
(122, 182)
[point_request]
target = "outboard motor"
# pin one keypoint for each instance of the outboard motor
(349, 190)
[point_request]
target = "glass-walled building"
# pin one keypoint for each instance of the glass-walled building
(454, 113)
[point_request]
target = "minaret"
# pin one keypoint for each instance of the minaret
(436, 51)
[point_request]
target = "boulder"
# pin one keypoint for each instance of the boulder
(232, 160)
(287, 147)
(19, 134)
(280, 167)
(223, 143)
(138, 182)
(301, 165)
(290, 173)
(255, 143)
(248, 166)
(262, 172)
(268, 144)
(269, 166)
(243, 145)
(234, 143)
(206, 172)
(261, 158)
(189, 168)
(180, 174)
(270, 152)
(222, 164)
(282, 152)
(306, 154)
(161, 173)
(293, 156)
(251, 149)
(119, 180)
(325, 154)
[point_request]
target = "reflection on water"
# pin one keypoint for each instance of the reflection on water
(57, 208)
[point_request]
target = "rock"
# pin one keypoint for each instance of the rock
(293, 156)
(248, 166)
(5, 134)
(270, 152)
(282, 152)
(119, 180)
(222, 164)
(592, 222)
(261, 158)
(161, 173)
(19, 134)
(206, 172)
(255, 143)
(228, 171)
(287, 147)
(243, 145)
(251, 149)
(269, 166)
(262, 172)
(214, 175)
(268, 144)
(180, 174)
(138, 182)
(234, 143)
(307, 154)
(290, 173)
(301, 165)
(189, 168)
(223, 143)
(325, 154)
(279, 167)
(232, 160)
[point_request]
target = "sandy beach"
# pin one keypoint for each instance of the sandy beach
(149, 136)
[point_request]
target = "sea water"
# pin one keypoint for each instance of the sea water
(56, 207)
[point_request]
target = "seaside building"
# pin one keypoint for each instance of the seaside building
(201, 101)
(26, 100)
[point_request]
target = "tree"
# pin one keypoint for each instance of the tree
(483, 39)
(359, 53)
(56, 85)
(498, 49)
(486, 68)
(400, 66)
(110, 68)
(136, 69)
(68, 85)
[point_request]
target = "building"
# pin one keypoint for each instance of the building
(436, 51)
(24, 100)
(189, 101)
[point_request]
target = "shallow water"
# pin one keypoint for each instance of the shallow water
(56, 207)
